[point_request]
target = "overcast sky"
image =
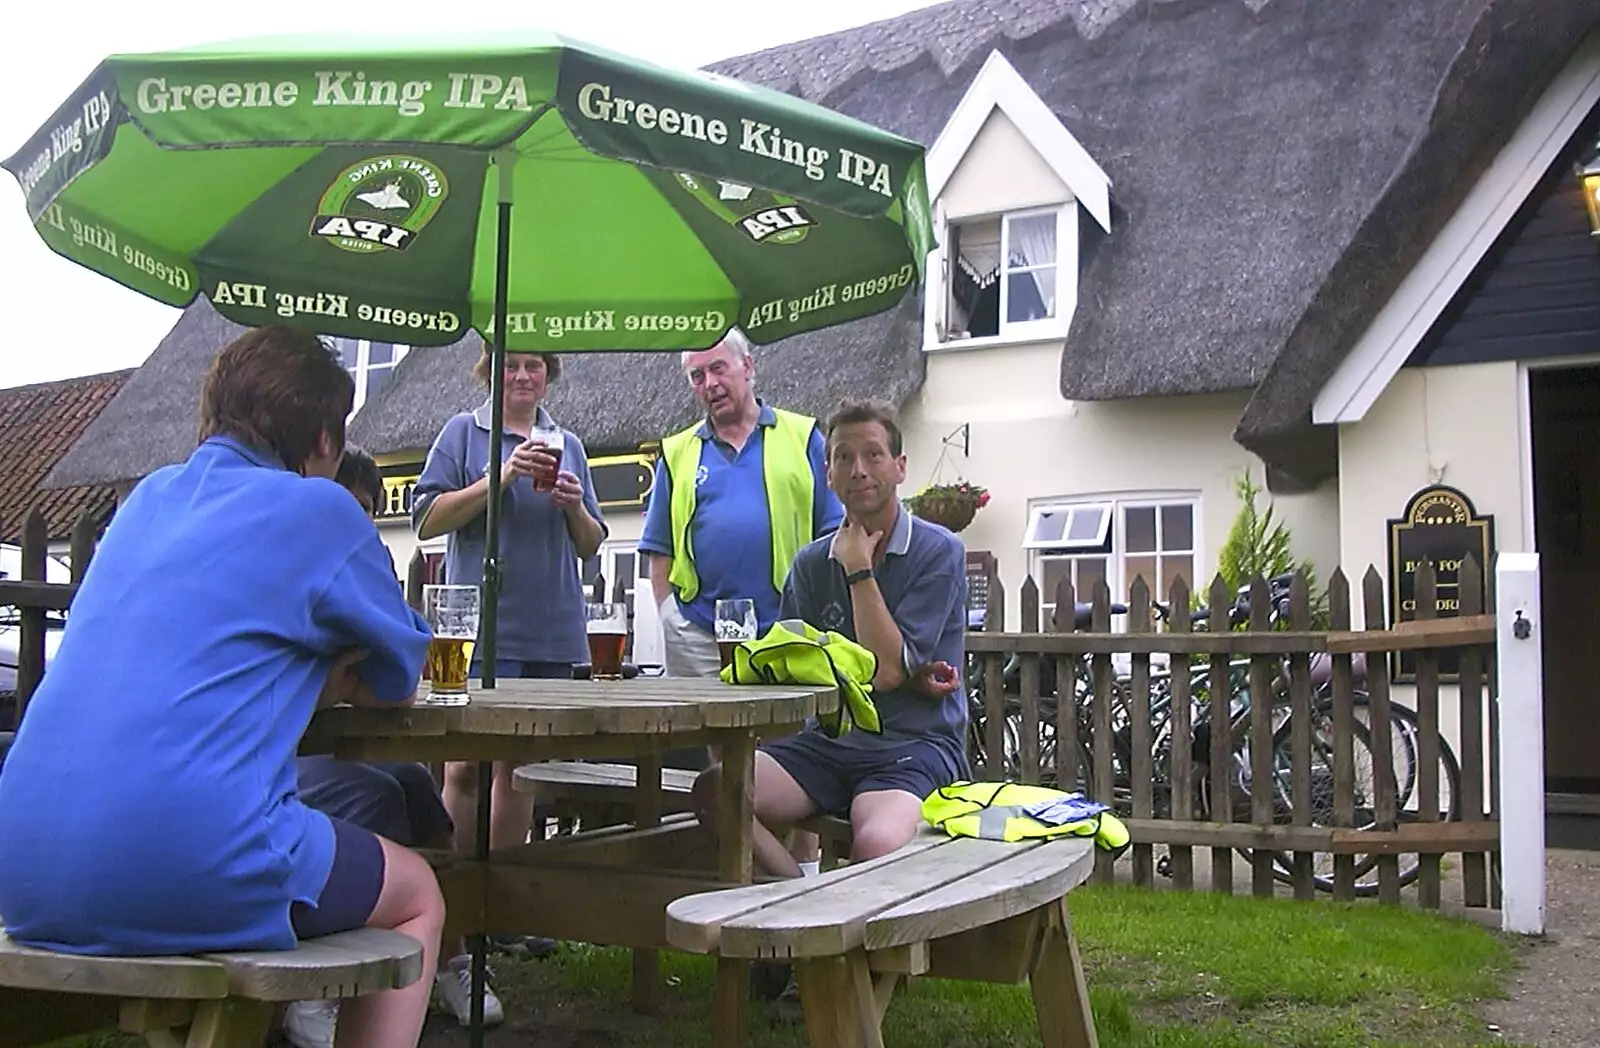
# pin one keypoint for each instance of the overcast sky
(62, 320)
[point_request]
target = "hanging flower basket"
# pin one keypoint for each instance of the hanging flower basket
(949, 505)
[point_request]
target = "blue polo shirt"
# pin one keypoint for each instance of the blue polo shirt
(923, 579)
(541, 593)
(148, 804)
(731, 532)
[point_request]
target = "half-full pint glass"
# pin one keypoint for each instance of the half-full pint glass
(735, 622)
(608, 636)
(452, 613)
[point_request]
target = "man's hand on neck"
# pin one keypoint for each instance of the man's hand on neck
(861, 540)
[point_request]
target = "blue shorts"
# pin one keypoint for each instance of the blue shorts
(833, 775)
(354, 883)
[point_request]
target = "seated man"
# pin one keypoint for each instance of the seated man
(398, 800)
(896, 585)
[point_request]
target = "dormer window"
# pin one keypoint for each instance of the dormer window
(1009, 186)
(1003, 278)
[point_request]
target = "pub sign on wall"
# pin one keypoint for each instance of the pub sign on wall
(1439, 524)
(620, 482)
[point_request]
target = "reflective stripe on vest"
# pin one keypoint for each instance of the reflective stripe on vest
(992, 821)
(790, 485)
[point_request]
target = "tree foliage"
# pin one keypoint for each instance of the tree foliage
(1259, 544)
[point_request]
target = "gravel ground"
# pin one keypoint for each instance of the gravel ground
(1554, 998)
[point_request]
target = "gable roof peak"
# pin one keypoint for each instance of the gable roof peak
(999, 87)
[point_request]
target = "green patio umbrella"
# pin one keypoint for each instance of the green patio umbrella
(548, 194)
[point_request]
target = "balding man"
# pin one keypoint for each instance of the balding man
(736, 496)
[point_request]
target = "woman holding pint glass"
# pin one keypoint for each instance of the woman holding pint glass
(550, 521)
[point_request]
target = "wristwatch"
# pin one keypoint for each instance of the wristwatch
(854, 577)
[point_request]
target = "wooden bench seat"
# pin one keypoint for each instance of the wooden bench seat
(218, 1000)
(949, 908)
(599, 783)
(610, 787)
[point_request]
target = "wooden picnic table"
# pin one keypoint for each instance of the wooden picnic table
(609, 886)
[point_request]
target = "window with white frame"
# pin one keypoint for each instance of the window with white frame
(1114, 539)
(370, 363)
(1005, 275)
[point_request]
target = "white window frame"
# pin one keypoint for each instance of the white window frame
(1048, 329)
(1117, 556)
(1036, 515)
(364, 366)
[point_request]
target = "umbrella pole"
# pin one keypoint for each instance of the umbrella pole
(503, 161)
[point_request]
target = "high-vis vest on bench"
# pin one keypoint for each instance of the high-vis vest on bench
(996, 811)
(790, 492)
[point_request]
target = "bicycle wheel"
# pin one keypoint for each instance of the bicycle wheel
(1405, 723)
(1322, 793)
(1406, 733)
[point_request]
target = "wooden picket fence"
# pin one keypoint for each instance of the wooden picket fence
(1142, 740)
(35, 598)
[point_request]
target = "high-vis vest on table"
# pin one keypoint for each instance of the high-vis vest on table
(792, 652)
(790, 492)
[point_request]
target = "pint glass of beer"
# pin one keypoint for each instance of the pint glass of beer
(608, 636)
(452, 613)
(550, 439)
(735, 622)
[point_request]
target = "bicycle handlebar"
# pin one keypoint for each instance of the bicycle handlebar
(1239, 612)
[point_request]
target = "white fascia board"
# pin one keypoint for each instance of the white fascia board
(1466, 238)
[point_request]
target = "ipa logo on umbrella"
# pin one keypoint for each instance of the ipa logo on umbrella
(380, 204)
(782, 222)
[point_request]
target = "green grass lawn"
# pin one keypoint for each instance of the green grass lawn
(1166, 970)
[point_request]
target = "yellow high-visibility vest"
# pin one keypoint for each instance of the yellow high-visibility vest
(994, 811)
(790, 490)
(793, 652)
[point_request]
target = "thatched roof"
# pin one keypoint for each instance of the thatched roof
(1503, 62)
(618, 401)
(153, 420)
(614, 401)
(1275, 168)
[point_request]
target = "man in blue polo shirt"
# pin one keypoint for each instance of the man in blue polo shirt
(735, 497)
(896, 585)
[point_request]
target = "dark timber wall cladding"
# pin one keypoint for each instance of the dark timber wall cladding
(1537, 292)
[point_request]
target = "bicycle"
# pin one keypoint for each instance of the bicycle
(1405, 729)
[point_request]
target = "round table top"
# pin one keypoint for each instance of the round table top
(642, 706)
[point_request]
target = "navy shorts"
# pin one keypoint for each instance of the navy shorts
(397, 800)
(832, 775)
(351, 894)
